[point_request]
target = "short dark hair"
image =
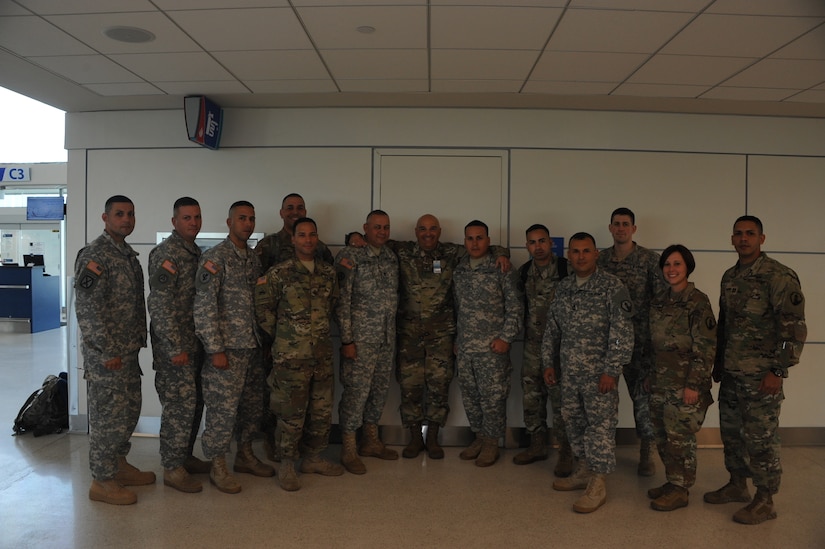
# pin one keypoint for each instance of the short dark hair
(184, 201)
(238, 204)
(690, 262)
(477, 223)
(303, 220)
(536, 227)
(376, 212)
(623, 211)
(116, 198)
(291, 195)
(582, 236)
(752, 219)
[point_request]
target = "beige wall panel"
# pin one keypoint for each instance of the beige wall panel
(787, 194)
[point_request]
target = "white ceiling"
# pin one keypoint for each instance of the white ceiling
(762, 57)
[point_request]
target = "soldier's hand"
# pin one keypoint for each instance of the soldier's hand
(550, 376)
(113, 363)
(691, 396)
(606, 384)
(220, 361)
(356, 240)
(499, 346)
(349, 351)
(504, 264)
(181, 359)
(771, 384)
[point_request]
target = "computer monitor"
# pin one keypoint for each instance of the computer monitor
(33, 260)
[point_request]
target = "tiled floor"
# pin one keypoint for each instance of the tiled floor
(406, 503)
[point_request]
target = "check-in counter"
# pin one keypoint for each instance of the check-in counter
(29, 300)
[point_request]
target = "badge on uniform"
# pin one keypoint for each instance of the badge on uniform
(346, 263)
(90, 275)
(210, 266)
(436, 266)
(169, 266)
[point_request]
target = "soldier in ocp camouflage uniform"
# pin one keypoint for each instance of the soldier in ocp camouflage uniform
(489, 311)
(760, 336)
(683, 341)
(293, 305)
(368, 280)
(111, 315)
(638, 269)
(233, 373)
(177, 351)
(590, 334)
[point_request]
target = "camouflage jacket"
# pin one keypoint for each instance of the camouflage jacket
(761, 318)
(369, 295)
(539, 287)
(683, 339)
(589, 330)
(278, 247)
(294, 308)
(224, 302)
(110, 306)
(488, 304)
(172, 267)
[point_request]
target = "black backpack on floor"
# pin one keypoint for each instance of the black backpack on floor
(46, 411)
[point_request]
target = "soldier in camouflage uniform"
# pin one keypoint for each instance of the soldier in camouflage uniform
(177, 351)
(589, 336)
(490, 311)
(683, 340)
(273, 249)
(293, 305)
(638, 268)
(111, 315)
(233, 373)
(760, 336)
(368, 280)
(538, 279)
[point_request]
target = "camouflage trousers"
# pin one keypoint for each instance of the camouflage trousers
(749, 425)
(675, 425)
(536, 393)
(641, 410)
(114, 409)
(425, 371)
(233, 399)
(302, 398)
(365, 382)
(484, 379)
(591, 418)
(181, 397)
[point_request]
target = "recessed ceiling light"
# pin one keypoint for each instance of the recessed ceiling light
(365, 29)
(132, 35)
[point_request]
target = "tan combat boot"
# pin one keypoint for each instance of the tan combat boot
(673, 497)
(537, 451)
(416, 445)
(647, 465)
(349, 455)
(109, 491)
(564, 465)
(757, 511)
(659, 491)
(287, 477)
(179, 479)
(434, 450)
(129, 475)
(735, 490)
(220, 476)
(371, 445)
(195, 466)
(577, 481)
(320, 466)
(594, 496)
(472, 451)
(489, 452)
(247, 462)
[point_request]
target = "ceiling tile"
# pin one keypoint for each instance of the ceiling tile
(87, 69)
(384, 86)
(502, 3)
(291, 86)
(173, 67)
(124, 89)
(244, 29)
(171, 5)
(476, 27)
(377, 64)
(587, 67)
(688, 69)
(396, 27)
(7, 8)
(336, 3)
(657, 90)
(569, 88)
(54, 7)
(781, 73)
(688, 6)
(616, 31)
(273, 64)
(481, 64)
(809, 46)
(27, 36)
(203, 88)
(809, 96)
(769, 7)
(746, 94)
(737, 36)
(477, 86)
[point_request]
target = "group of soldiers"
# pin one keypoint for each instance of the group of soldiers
(246, 335)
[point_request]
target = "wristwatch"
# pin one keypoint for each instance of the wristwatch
(779, 372)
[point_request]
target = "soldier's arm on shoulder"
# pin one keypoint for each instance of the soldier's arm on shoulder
(499, 251)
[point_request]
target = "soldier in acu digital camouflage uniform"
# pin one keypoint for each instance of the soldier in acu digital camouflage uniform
(590, 335)
(490, 311)
(177, 351)
(760, 336)
(111, 314)
(683, 340)
(638, 268)
(293, 304)
(368, 279)
(233, 373)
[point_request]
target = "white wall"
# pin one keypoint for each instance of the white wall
(687, 177)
